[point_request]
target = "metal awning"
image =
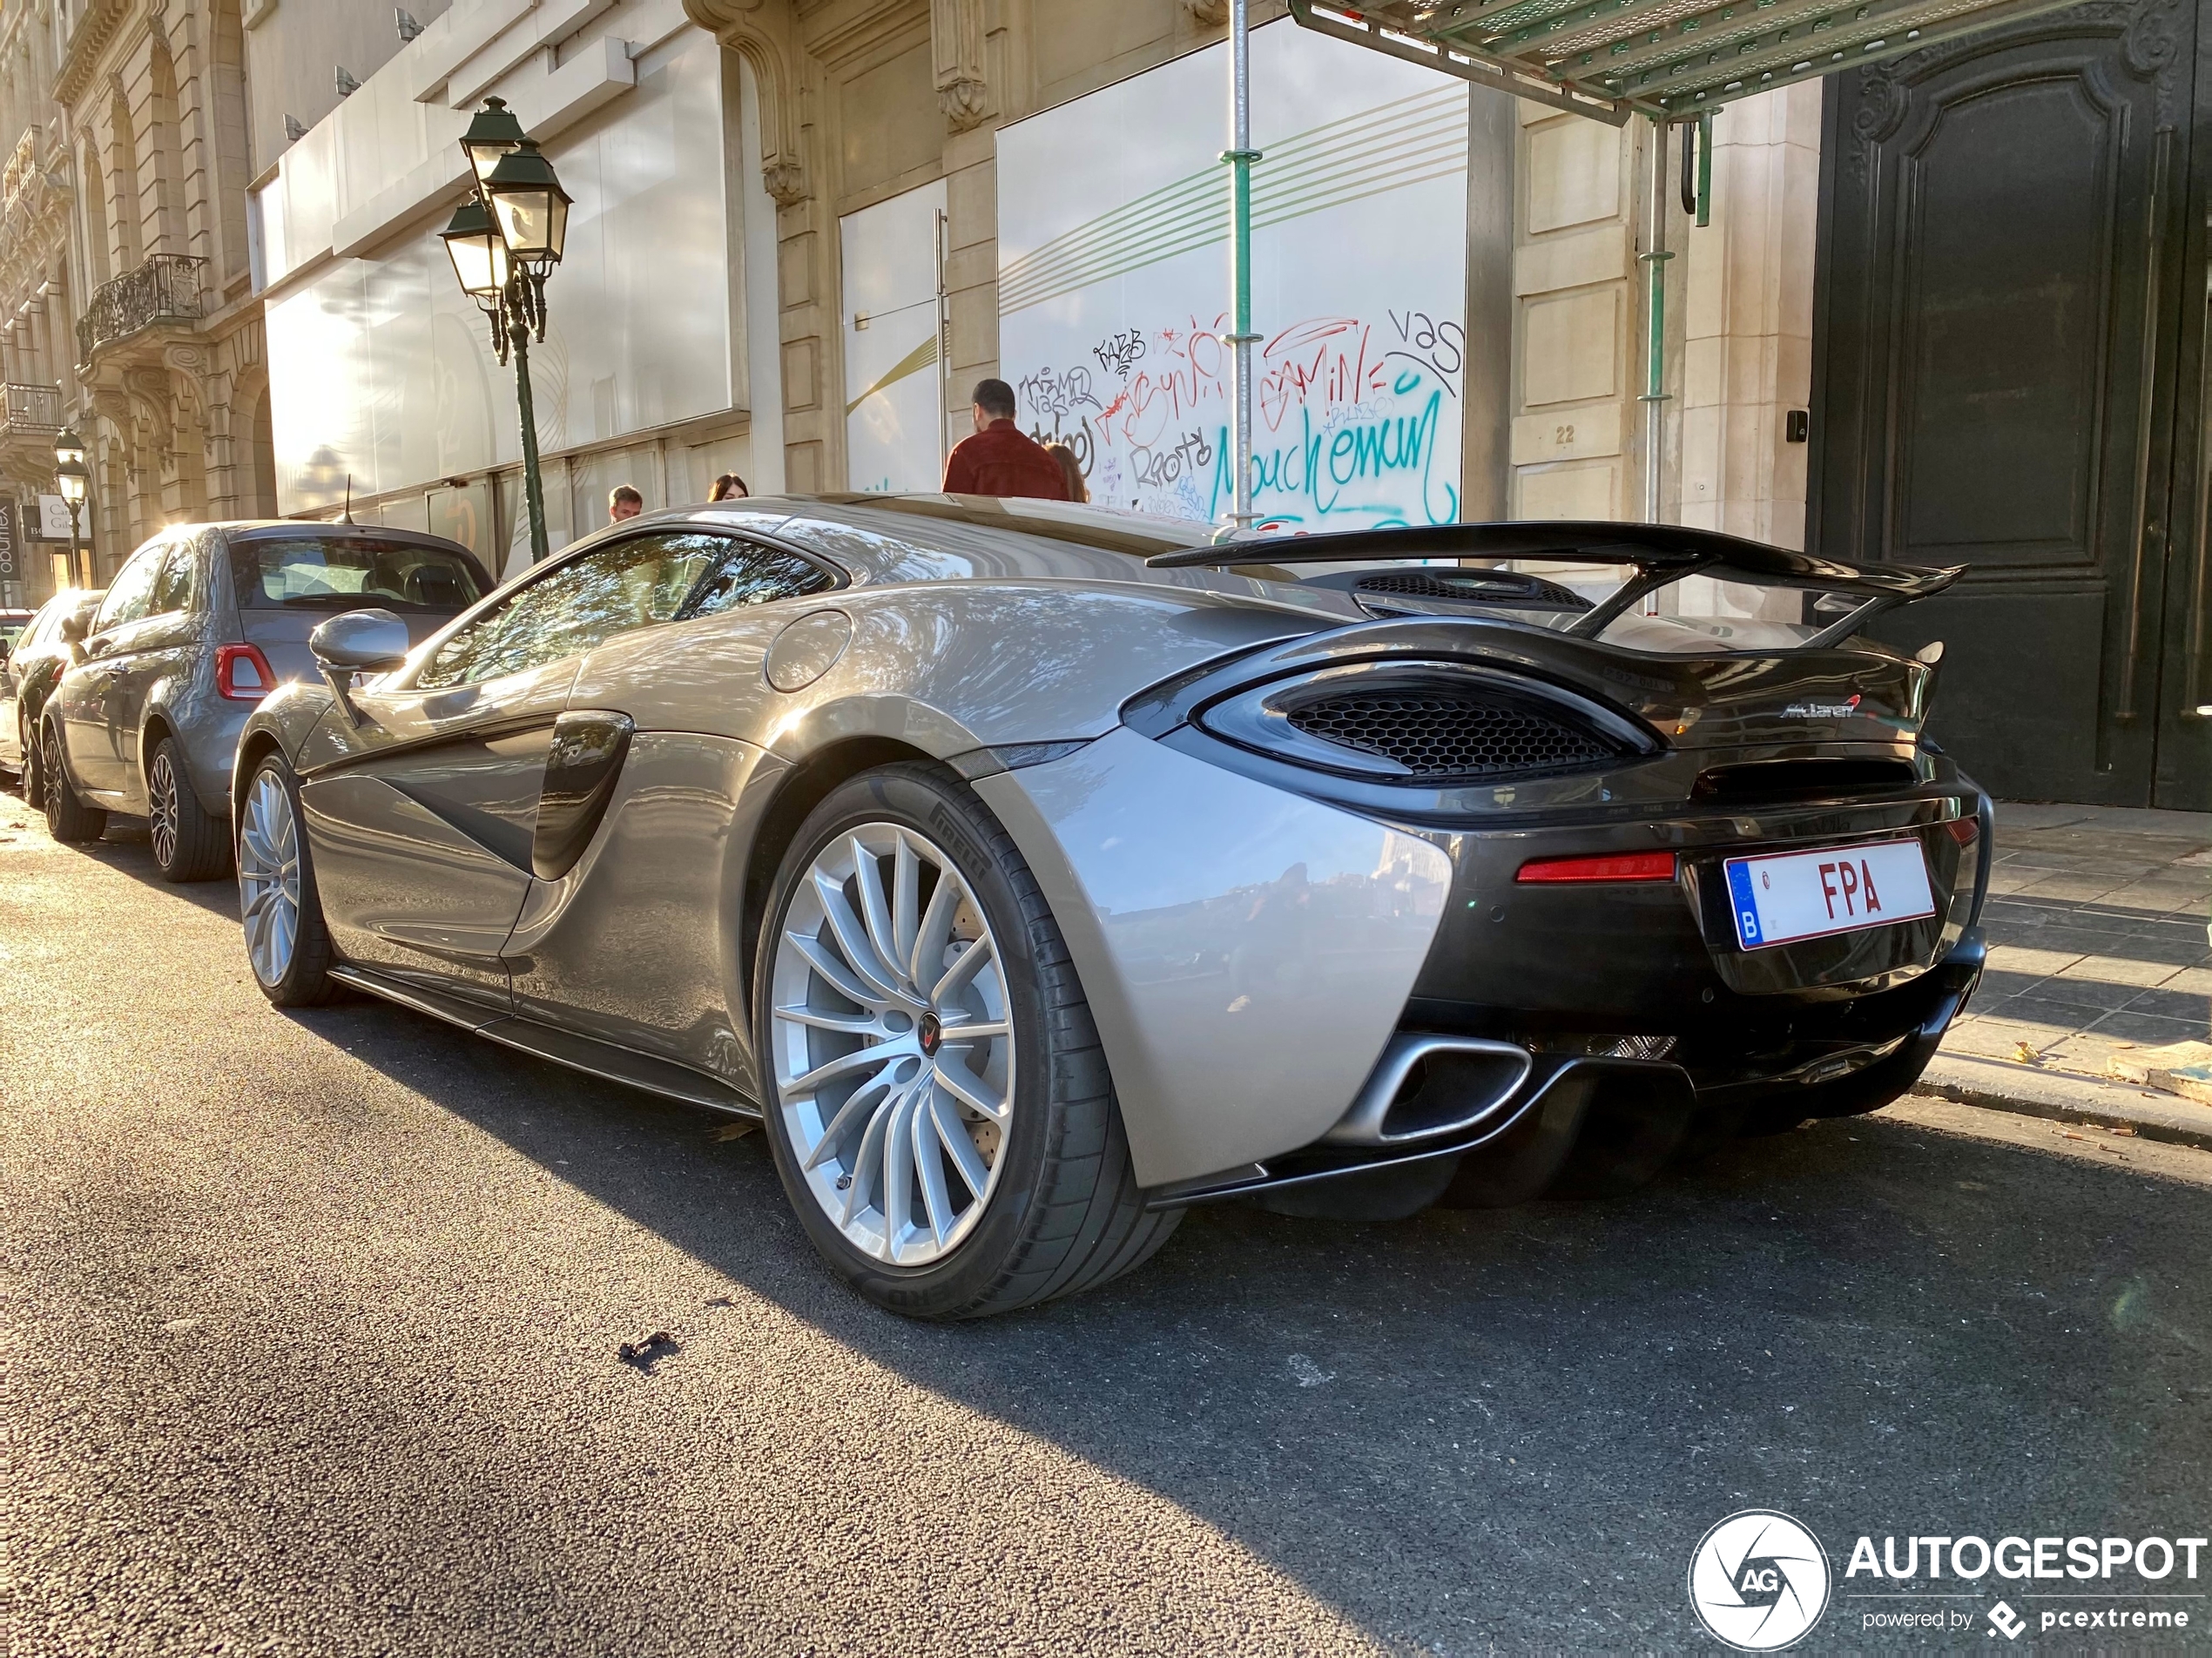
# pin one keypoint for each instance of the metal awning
(1669, 59)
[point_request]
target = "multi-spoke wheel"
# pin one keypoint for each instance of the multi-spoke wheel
(34, 794)
(189, 844)
(285, 937)
(938, 1102)
(67, 817)
(894, 1061)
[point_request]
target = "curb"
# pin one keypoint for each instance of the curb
(2027, 1090)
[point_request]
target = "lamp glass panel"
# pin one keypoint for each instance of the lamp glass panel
(69, 448)
(533, 222)
(72, 483)
(479, 262)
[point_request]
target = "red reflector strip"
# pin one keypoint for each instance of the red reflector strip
(1965, 830)
(1614, 867)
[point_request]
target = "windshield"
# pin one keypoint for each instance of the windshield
(353, 573)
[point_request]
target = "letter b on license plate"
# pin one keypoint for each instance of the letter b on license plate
(1843, 889)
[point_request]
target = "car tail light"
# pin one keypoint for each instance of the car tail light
(1610, 866)
(242, 673)
(1965, 830)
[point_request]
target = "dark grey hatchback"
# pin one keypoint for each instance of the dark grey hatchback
(202, 622)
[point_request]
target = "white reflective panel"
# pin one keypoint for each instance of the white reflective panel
(384, 369)
(1113, 271)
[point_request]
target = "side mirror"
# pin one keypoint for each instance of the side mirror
(357, 643)
(361, 642)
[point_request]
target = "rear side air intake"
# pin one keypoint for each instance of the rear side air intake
(1450, 733)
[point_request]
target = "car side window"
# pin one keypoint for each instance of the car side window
(751, 574)
(172, 588)
(130, 594)
(635, 582)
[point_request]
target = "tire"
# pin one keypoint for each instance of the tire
(68, 818)
(1058, 1210)
(32, 774)
(276, 882)
(190, 843)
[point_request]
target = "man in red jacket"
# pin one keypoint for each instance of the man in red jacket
(1001, 460)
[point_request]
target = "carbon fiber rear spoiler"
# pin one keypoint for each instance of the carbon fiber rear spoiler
(1660, 553)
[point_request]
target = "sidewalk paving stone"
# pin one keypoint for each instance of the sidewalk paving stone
(2096, 922)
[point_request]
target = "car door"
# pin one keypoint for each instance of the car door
(421, 833)
(161, 644)
(88, 690)
(630, 946)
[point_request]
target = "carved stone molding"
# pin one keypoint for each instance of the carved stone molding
(966, 103)
(762, 35)
(1212, 13)
(956, 40)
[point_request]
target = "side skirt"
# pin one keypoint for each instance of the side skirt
(594, 1058)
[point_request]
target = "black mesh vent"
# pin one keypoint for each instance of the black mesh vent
(1489, 587)
(1434, 733)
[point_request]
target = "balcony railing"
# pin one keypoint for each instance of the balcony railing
(164, 289)
(32, 409)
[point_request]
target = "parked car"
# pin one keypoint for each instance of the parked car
(199, 625)
(12, 623)
(1034, 874)
(27, 674)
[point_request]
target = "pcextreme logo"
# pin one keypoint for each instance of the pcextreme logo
(1759, 1580)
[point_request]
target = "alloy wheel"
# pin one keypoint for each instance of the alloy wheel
(268, 877)
(161, 802)
(894, 1050)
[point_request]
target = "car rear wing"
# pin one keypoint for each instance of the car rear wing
(1662, 554)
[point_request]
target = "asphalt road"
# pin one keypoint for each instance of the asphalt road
(307, 1333)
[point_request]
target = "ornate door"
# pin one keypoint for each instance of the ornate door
(1998, 340)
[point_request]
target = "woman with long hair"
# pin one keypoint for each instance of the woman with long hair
(728, 486)
(1071, 470)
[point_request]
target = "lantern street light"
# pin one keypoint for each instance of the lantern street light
(75, 479)
(504, 242)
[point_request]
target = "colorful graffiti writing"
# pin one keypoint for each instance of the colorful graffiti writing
(1350, 418)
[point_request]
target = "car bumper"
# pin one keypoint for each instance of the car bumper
(1252, 956)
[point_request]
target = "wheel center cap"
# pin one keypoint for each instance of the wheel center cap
(929, 1033)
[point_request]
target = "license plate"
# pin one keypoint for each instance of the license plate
(1797, 895)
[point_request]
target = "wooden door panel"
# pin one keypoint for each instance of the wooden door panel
(2004, 312)
(1995, 345)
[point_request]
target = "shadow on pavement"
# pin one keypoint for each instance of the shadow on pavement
(1872, 1325)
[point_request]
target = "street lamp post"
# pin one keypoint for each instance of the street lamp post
(74, 479)
(504, 241)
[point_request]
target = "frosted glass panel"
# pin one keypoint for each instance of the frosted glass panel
(385, 369)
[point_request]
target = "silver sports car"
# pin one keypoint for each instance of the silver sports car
(1034, 873)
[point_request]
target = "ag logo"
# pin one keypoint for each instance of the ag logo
(1759, 1580)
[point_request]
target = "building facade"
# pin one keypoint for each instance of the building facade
(804, 172)
(126, 272)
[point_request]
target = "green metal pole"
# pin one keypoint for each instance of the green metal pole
(533, 486)
(1654, 257)
(1704, 169)
(1240, 156)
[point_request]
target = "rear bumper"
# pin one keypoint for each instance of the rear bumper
(1527, 1138)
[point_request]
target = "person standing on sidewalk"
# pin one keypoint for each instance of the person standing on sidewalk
(1001, 459)
(624, 502)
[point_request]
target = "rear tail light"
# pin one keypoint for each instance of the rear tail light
(242, 673)
(1612, 867)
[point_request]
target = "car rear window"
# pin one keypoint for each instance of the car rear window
(308, 573)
